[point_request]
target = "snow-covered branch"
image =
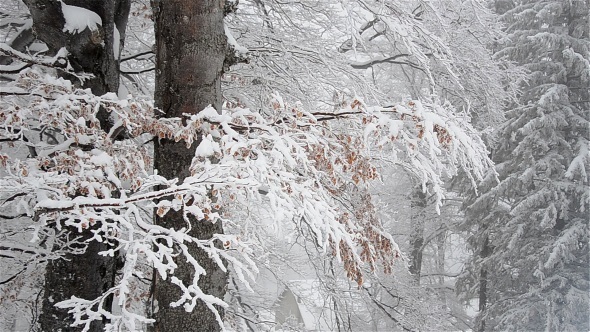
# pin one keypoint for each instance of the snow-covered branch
(82, 179)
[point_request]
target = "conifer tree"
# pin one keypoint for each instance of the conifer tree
(531, 259)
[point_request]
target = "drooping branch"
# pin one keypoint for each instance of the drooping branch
(347, 45)
(60, 60)
(23, 38)
(13, 69)
(391, 59)
(381, 306)
(16, 216)
(138, 55)
(138, 71)
(7, 280)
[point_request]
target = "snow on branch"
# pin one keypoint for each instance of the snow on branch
(77, 19)
(69, 173)
(59, 60)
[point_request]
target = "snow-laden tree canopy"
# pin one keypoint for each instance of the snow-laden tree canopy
(62, 170)
(71, 178)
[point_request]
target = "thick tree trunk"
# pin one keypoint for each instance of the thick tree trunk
(86, 275)
(190, 51)
(91, 52)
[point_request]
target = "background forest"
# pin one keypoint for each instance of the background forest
(296, 165)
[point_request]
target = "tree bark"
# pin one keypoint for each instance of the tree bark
(418, 206)
(190, 52)
(87, 275)
(486, 251)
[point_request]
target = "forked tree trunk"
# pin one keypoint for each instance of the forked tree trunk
(91, 52)
(190, 51)
(86, 275)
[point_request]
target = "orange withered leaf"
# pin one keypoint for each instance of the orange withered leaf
(162, 211)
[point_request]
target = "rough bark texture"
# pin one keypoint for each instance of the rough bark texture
(85, 276)
(190, 51)
(91, 52)
(89, 274)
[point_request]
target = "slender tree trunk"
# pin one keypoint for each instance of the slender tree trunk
(190, 52)
(86, 275)
(441, 257)
(418, 206)
(483, 287)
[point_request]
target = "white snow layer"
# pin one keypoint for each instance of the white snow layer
(78, 19)
(208, 147)
(116, 42)
(232, 41)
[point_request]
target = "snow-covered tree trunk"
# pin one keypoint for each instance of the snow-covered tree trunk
(94, 51)
(190, 52)
(91, 50)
